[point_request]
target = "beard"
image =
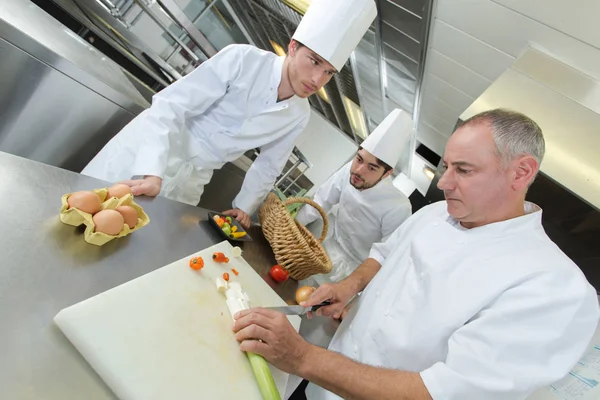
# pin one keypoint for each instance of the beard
(361, 184)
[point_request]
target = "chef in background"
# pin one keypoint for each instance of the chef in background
(468, 300)
(362, 205)
(240, 99)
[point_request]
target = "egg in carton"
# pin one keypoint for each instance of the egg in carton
(76, 217)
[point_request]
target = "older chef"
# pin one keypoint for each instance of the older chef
(469, 299)
(240, 99)
(368, 207)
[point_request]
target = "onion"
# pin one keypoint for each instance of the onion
(303, 293)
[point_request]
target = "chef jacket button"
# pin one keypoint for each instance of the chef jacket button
(350, 326)
(386, 314)
(435, 224)
(355, 349)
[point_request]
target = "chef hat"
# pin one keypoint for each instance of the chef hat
(333, 28)
(389, 139)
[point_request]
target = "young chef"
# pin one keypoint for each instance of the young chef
(369, 208)
(240, 99)
(468, 299)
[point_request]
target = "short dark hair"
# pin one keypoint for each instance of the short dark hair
(385, 166)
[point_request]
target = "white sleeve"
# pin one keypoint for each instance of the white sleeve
(527, 338)
(264, 170)
(380, 251)
(188, 97)
(327, 196)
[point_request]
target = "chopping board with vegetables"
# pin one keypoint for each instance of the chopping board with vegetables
(167, 334)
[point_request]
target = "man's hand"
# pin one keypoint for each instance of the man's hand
(241, 216)
(270, 334)
(149, 186)
(337, 294)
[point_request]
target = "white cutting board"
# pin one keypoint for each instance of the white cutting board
(167, 334)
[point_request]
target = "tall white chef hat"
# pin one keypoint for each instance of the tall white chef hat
(333, 28)
(389, 139)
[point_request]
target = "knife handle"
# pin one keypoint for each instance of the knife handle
(323, 304)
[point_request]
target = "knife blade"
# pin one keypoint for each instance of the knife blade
(298, 310)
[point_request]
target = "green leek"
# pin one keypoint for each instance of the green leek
(263, 376)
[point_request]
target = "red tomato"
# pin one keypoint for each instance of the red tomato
(279, 274)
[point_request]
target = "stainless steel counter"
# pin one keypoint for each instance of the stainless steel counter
(46, 266)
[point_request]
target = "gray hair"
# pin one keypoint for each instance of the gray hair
(515, 134)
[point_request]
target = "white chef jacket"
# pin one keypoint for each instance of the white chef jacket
(489, 313)
(225, 107)
(362, 217)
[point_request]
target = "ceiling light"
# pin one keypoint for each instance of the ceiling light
(299, 5)
(356, 117)
(277, 48)
(323, 94)
(430, 173)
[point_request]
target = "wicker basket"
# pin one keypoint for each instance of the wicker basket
(296, 248)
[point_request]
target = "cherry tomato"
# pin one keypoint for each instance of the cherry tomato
(196, 263)
(279, 274)
(226, 276)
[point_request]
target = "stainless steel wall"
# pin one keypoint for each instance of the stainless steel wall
(49, 117)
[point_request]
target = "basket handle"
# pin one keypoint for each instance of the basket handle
(305, 200)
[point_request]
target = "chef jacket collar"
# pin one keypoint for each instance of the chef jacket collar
(531, 219)
(276, 78)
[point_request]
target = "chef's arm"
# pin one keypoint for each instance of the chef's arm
(352, 380)
(528, 337)
(360, 278)
(341, 293)
(326, 196)
(264, 170)
(189, 96)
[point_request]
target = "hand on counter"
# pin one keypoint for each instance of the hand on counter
(149, 186)
(241, 216)
(270, 334)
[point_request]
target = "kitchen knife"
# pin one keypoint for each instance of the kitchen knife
(298, 310)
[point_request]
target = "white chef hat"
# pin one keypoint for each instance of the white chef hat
(389, 139)
(333, 28)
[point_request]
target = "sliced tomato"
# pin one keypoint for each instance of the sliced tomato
(226, 276)
(220, 258)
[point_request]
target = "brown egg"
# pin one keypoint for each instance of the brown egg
(109, 222)
(129, 214)
(85, 201)
(119, 190)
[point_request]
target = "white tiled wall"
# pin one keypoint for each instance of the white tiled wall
(473, 41)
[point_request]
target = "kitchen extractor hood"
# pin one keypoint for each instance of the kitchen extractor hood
(566, 105)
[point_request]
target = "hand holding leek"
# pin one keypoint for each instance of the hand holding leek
(237, 301)
(270, 334)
